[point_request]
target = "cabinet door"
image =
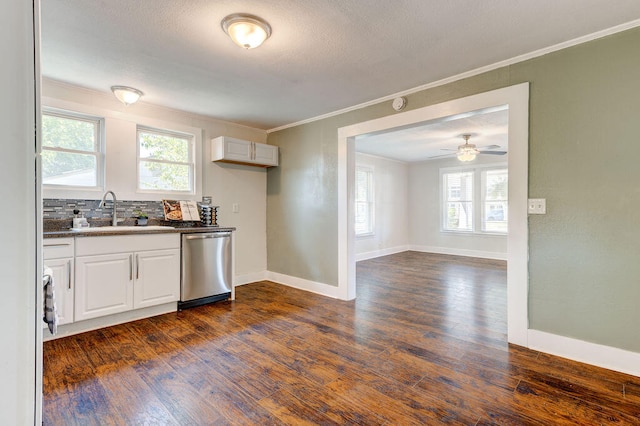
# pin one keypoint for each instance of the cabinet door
(266, 154)
(104, 285)
(237, 150)
(157, 274)
(62, 270)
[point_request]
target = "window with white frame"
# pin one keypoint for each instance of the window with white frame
(475, 199)
(495, 200)
(458, 201)
(72, 150)
(364, 201)
(165, 161)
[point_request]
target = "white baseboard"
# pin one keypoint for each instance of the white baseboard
(382, 252)
(251, 277)
(590, 353)
(460, 252)
(302, 284)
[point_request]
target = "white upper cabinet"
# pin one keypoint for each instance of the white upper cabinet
(232, 150)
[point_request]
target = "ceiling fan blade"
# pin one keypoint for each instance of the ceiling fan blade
(493, 152)
(440, 156)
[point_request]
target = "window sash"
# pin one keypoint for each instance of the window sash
(92, 175)
(364, 205)
(458, 214)
(165, 181)
(495, 206)
(474, 200)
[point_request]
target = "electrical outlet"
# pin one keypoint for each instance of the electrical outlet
(235, 208)
(537, 206)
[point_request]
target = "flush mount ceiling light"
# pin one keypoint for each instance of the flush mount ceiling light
(247, 31)
(467, 151)
(126, 95)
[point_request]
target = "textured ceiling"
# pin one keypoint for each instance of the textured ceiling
(438, 139)
(323, 55)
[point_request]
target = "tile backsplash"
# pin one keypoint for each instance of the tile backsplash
(63, 208)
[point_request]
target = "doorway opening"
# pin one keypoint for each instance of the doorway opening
(516, 99)
(401, 201)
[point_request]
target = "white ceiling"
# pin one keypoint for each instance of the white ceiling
(440, 138)
(323, 55)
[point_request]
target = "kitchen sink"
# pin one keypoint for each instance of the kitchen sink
(122, 228)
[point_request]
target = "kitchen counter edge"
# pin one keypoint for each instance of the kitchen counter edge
(179, 230)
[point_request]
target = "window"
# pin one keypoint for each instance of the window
(494, 200)
(71, 150)
(459, 201)
(475, 200)
(165, 161)
(364, 201)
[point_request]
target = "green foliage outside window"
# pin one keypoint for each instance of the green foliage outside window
(165, 162)
(69, 150)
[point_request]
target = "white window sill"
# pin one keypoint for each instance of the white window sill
(365, 235)
(474, 233)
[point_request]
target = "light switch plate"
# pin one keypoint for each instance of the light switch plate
(235, 208)
(537, 206)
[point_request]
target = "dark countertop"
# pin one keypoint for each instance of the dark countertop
(54, 228)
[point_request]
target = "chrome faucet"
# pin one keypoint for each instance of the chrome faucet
(114, 221)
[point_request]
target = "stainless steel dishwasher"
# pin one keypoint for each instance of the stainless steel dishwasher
(206, 274)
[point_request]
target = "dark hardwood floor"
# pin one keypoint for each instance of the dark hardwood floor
(423, 343)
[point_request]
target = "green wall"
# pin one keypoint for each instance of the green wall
(584, 253)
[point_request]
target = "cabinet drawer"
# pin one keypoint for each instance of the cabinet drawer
(88, 246)
(56, 248)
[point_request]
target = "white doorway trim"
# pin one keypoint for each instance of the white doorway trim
(517, 99)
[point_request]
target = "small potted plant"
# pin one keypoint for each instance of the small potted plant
(141, 218)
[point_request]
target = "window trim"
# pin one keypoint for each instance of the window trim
(483, 200)
(370, 200)
(191, 161)
(99, 148)
(444, 200)
(477, 202)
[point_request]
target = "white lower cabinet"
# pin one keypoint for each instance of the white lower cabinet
(58, 256)
(104, 285)
(157, 273)
(110, 281)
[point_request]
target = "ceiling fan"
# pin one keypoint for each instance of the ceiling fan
(468, 151)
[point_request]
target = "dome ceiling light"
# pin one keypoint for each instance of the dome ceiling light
(126, 95)
(247, 31)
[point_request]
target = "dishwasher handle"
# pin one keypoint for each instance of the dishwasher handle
(210, 235)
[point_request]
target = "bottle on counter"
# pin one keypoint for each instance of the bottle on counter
(79, 221)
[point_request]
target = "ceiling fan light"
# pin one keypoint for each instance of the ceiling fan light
(126, 95)
(247, 31)
(466, 156)
(467, 151)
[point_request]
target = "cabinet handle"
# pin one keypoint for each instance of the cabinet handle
(69, 274)
(56, 245)
(130, 267)
(253, 150)
(137, 267)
